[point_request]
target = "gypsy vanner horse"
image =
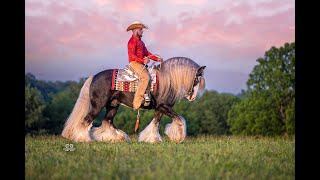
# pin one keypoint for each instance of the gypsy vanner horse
(178, 77)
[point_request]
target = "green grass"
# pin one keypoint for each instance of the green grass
(205, 157)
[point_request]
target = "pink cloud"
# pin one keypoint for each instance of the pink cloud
(224, 35)
(133, 6)
(49, 36)
(190, 2)
(33, 5)
(102, 2)
(272, 8)
(252, 35)
(64, 30)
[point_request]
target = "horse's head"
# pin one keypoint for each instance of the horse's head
(180, 77)
(198, 82)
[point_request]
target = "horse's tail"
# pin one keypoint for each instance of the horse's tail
(75, 128)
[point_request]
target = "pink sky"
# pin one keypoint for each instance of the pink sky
(67, 40)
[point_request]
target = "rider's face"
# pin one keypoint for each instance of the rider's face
(140, 32)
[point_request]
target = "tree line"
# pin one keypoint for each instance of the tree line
(266, 107)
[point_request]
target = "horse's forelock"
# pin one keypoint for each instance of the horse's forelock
(176, 77)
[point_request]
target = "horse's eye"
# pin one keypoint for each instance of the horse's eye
(196, 81)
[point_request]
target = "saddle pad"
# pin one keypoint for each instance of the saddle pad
(119, 84)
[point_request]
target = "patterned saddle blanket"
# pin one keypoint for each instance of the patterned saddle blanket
(126, 79)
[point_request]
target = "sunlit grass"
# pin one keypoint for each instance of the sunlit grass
(204, 157)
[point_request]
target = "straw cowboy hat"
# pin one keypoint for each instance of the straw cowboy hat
(135, 25)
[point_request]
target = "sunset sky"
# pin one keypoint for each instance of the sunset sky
(67, 40)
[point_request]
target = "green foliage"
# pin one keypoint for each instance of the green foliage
(34, 105)
(125, 119)
(268, 106)
(60, 107)
(251, 117)
(203, 157)
(290, 118)
(208, 115)
(47, 87)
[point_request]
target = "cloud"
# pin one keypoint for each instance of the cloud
(225, 35)
(102, 2)
(235, 35)
(190, 2)
(271, 8)
(71, 29)
(133, 6)
(64, 31)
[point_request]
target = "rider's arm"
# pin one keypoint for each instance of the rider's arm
(131, 52)
(153, 57)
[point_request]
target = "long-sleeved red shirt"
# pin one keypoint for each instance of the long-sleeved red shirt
(137, 50)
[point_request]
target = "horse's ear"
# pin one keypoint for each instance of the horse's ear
(157, 67)
(200, 71)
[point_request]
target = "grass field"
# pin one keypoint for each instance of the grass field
(205, 157)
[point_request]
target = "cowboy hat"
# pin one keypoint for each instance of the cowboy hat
(135, 25)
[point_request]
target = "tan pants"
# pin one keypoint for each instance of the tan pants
(142, 86)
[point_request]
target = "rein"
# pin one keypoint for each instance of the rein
(190, 91)
(145, 66)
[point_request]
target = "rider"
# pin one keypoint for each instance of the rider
(138, 59)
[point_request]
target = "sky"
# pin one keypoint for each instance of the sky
(67, 40)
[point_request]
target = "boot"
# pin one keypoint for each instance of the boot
(137, 103)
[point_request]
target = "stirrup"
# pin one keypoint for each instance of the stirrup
(146, 100)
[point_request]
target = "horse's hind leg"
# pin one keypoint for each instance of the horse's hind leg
(151, 133)
(107, 131)
(82, 130)
(75, 127)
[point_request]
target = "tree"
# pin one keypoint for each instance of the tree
(47, 88)
(269, 104)
(60, 107)
(34, 105)
(210, 112)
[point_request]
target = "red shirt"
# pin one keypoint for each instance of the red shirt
(137, 50)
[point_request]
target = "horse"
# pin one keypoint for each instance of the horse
(178, 78)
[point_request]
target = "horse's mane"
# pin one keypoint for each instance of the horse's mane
(176, 77)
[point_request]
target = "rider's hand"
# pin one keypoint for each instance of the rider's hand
(160, 59)
(146, 60)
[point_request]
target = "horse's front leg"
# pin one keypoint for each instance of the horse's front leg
(151, 133)
(177, 130)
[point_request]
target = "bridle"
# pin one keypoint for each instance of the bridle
(195, 81)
